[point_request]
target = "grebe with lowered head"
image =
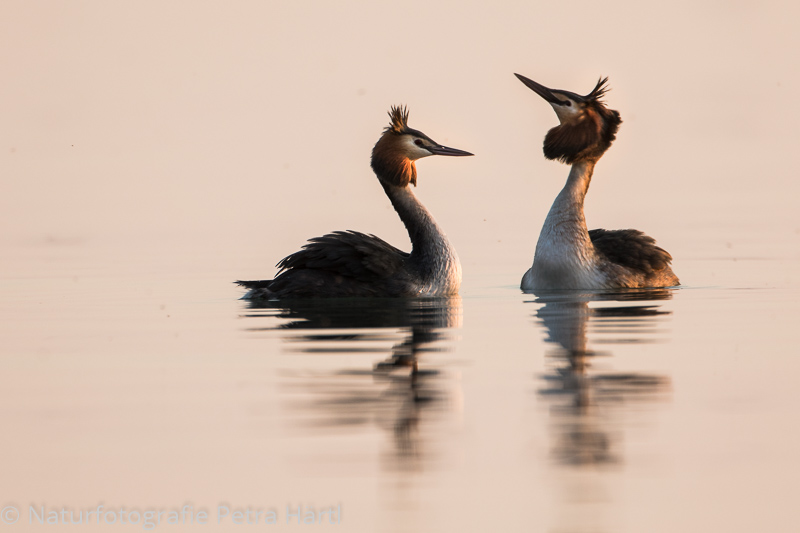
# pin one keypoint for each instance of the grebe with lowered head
(348, 263)
(568, 256)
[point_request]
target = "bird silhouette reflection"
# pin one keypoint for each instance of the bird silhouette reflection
(397, 394)
(587, 406)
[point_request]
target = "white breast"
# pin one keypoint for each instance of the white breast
(564, 261)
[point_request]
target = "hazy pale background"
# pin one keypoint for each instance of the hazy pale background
(152, 152)
(216, 125)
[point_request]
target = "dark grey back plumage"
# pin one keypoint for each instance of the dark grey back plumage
(339, 264)
(347, 253)
(631, 249)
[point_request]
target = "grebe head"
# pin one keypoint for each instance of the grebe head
(395, 152)
(587, 126)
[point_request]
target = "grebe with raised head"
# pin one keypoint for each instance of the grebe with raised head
(568, 256)
(349, 263)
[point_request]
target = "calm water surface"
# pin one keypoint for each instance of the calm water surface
(137, 381)
(146, 164)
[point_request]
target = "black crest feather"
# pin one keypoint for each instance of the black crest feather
(399, 116)
(599, 90)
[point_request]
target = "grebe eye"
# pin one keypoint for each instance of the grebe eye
(418, 142)
(568, 103)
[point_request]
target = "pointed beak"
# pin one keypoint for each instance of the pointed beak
(541, 90)
(438, 149)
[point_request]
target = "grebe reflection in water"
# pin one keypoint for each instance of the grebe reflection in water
(407, 392)
(589, 408)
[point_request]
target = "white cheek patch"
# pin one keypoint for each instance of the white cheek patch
(412, 151)
(566, 113)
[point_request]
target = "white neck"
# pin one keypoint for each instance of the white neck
(565, 256)
(567, 209)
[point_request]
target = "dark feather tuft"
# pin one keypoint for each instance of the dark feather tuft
(599, 90)
(568, 142)
(399, 116)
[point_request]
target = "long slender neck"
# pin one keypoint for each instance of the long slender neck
(433, 264)
(565, 256)
(427, 238)
(568, 205)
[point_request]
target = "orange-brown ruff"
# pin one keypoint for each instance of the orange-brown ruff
(348, 263)
(568, 255)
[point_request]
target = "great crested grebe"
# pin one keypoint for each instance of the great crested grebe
(348, 263)
(568, 256)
